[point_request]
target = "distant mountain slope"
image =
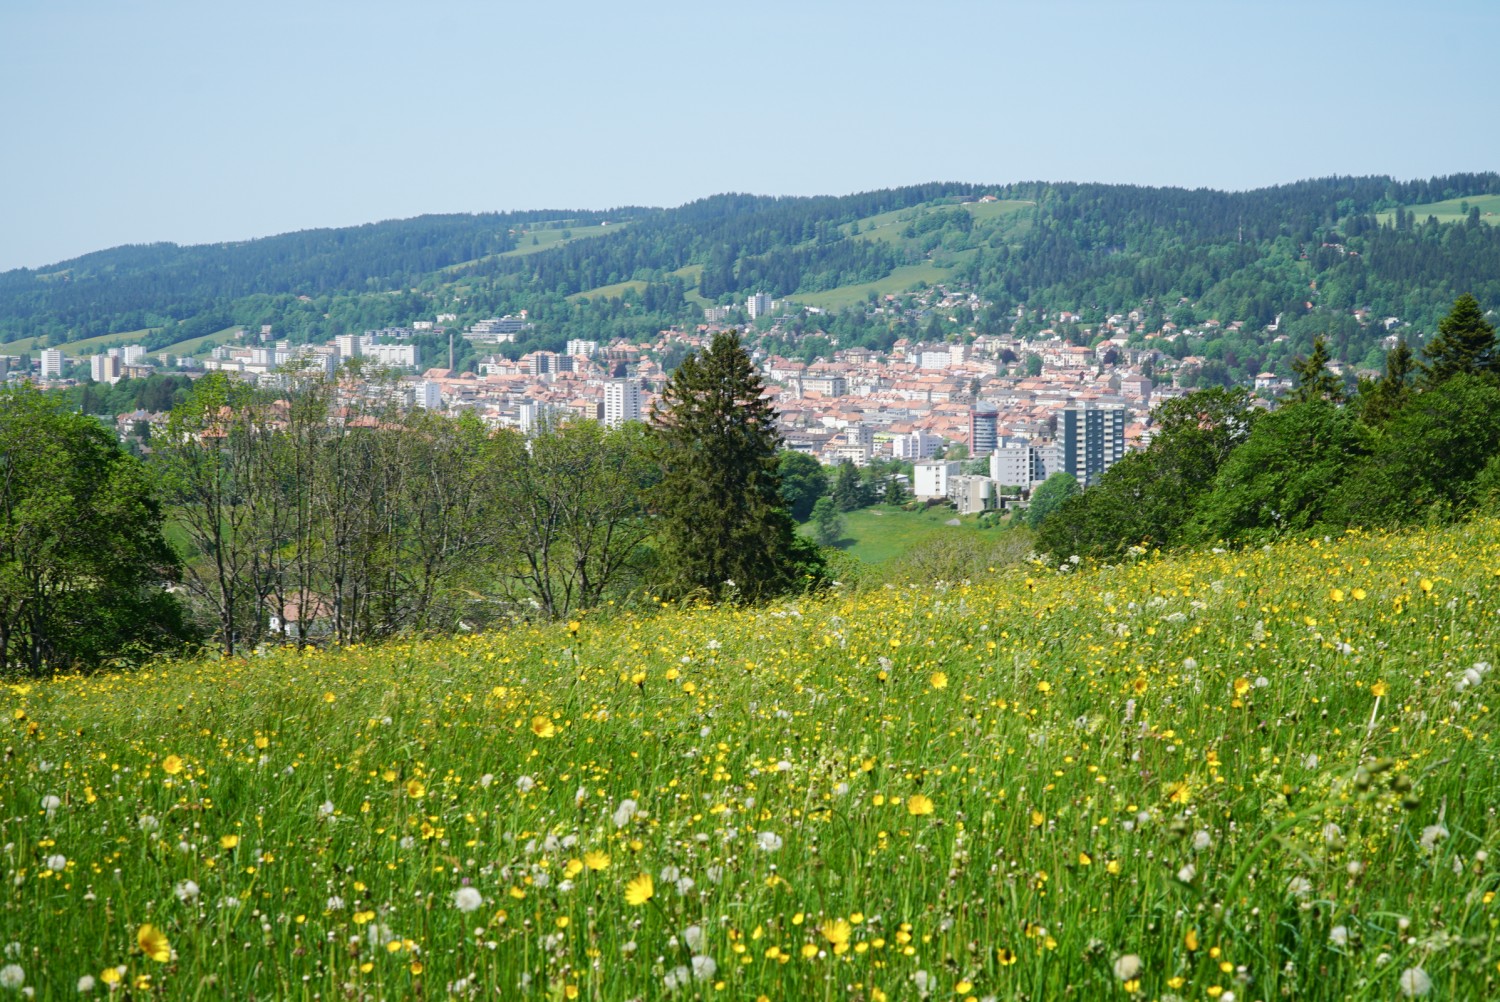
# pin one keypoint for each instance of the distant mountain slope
(1311, 249)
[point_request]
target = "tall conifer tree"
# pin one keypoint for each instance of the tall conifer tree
(722, 526)
(1465, 343)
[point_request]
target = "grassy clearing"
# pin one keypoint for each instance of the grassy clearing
(689, 274)
(78, 349)
(878, 533)
(1249, 776)
(609, 291)
(900, 280)
(202, 345)
(1453, 210)
(549, 237)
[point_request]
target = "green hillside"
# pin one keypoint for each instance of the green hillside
(1454, 210)
(1325, 257)
(1259, 775)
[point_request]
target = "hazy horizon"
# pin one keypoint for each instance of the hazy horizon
(171, 121)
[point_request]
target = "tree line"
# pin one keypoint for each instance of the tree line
(1421, 444)
(1250, 256)
(330, 511)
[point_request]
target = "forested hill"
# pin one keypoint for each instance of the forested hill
(1308, 253)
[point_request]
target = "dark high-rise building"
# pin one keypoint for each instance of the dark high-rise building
(1092, 439)
(984, 431)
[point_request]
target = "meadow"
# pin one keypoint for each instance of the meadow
(882, 532)
(1224, 776)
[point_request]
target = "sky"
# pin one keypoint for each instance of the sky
(135, 121)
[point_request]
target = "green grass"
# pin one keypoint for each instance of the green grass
(1270, 773)
(1453, 210)
(608, 291)
(552, 236)
(878, 533)
(988, 212)
(199, 346)
(900, 280)
(688, 274)
(78, 349)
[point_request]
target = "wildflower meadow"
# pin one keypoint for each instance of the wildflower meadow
(1226, 776)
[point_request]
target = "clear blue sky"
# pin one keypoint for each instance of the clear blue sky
(129, 121)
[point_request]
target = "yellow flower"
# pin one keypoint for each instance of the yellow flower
(596, 860)
(110, 975)
(542, 726)
(329, 697)
(1044, 687)
(1426, 584)
(837, 932)
(572, 868)
(574, 626)
(1006, 957)
(918, 804)
(1359, 594)
(964, 987)
(1191, 940)
(1336, 594)
(640, 890)
(171, 765)
(153, 943)
(1379, 689)
(415, 789)
(1241, 686)
(226, 842)
(939, 680)
(1038, 819)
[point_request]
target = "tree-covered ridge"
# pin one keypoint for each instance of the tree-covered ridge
(139, 286)
(1300, 256)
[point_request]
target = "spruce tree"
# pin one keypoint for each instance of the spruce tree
(1379, 400)
(722, 525)
(1314, 381)
(1465, 343)
(848, 489)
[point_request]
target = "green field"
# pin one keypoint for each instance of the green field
(78, 349)
(1215, 777)
(551, 236)
(202, 345)
(1453, 210)
(688, 274)
(903, 279)
(880, 532)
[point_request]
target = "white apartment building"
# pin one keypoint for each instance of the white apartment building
(917, 445)
(52, 363)
(758, 305)
(930, 478)
(105, 368)
(622, 402)
(133, 354)
(578, 346)
(1016, 465)
(392, 356)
